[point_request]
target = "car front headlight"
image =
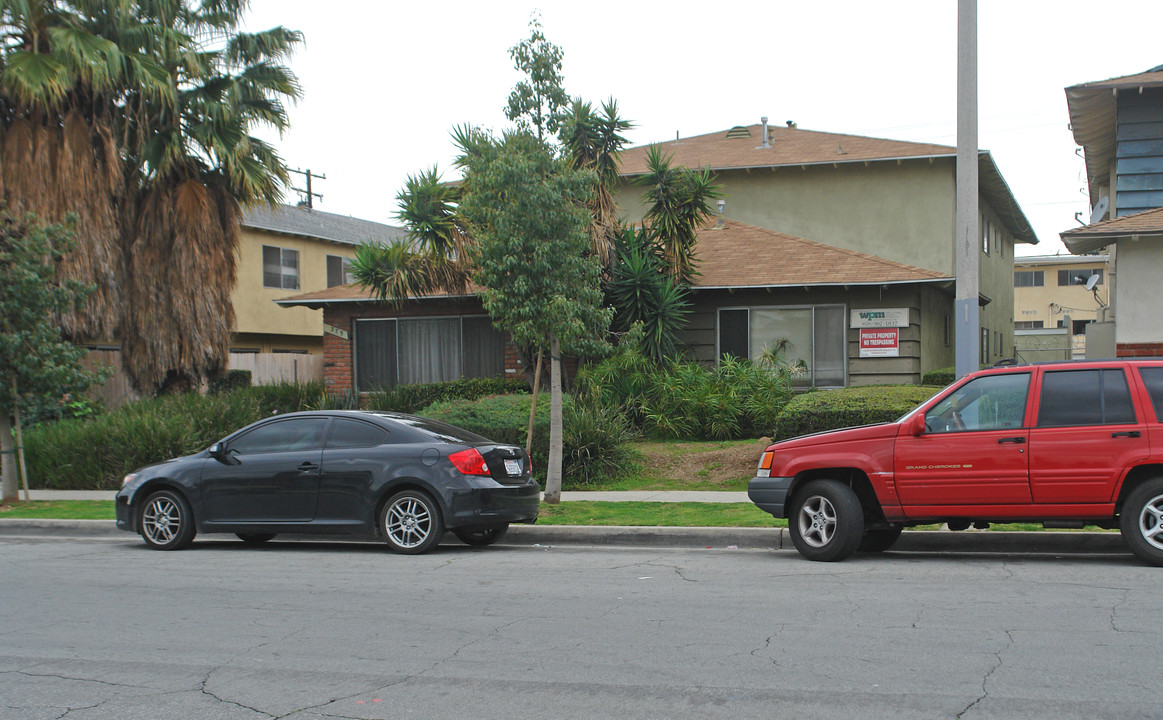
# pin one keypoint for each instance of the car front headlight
(128, 479)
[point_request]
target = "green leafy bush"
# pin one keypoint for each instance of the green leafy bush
(832, 409)
(680, 399)
(230, 381)
(593, 440)
(940, 377)
(413, 398)
(95, 453)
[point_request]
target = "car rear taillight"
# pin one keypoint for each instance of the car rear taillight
(469, 462)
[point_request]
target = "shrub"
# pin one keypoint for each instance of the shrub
(593, 439)
(684, 399)
(413, 398)
(939, 378)
(230, 381)
(832, 409)
(96, 453)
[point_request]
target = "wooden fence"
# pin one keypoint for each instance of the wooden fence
(265, 369)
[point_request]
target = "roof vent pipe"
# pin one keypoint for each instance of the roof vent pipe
(764, 121)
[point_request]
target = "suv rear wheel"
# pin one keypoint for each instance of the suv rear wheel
(827, 522)
(1141, 521)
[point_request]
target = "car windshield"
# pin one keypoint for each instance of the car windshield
(440, 431)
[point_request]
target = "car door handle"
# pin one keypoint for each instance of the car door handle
(1127, 433)
(1018, 440)
(308, 466)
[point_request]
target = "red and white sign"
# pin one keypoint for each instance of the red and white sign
(880, 342)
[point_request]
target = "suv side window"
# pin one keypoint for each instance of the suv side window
(1085, 397)
(1153, 379)
(993, 402)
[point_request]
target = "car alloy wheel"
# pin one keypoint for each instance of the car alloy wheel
(827, 521)
(1141, 521)
(166, 521)
(410, 522)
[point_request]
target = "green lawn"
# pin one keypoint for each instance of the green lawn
(584, 512)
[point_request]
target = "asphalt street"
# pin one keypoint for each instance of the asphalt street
(102, 627)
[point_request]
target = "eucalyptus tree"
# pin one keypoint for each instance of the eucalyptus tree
(527, 211)
(536, 103)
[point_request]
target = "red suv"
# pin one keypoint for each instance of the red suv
(1065, 444)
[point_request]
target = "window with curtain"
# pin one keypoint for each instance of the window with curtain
(405, 351)
(813, 336)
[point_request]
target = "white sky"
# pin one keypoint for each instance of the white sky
(385, 82)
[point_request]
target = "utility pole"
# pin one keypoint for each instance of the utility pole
(307, 193)
(967, 247)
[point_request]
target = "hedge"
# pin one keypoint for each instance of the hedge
(832, 409)
(414, 398)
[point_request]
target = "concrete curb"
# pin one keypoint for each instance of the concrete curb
(930, 541)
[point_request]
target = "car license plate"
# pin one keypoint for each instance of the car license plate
(512, 467)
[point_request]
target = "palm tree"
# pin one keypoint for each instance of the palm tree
(679, 207)
(196, 168)
(61, 83)
(592, 142)
(137, 117)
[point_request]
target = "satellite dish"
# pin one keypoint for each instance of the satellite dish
(1091, 282)
(1099, 211)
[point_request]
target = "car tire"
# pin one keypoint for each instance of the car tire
(826, 522)
(880, 539)
(166, 522)
(255, 538)
(1141, 521)
(481, 537)
(410, 522)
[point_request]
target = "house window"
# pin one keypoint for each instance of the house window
(406, 351)
(985, 233)
(948, 331)
(984, 346)
(338, 270)
(280, 268)
(1028, 325)
(1078, 277)
(1029, 278)
(811, 337)
(999, 242)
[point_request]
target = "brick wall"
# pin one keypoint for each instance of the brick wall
(338, 356)
(1130, 350)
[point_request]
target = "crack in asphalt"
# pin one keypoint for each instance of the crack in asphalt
(206, 691)
(992, 670)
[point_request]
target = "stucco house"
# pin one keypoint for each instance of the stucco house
(886, 199)
(1119, 124)
(840, 244)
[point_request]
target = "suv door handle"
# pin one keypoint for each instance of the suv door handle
(1127, 433)
(307, 467)
(1018, 440)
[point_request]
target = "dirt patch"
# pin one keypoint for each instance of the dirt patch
(711, 465)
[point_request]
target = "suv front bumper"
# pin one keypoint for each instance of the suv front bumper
(770, 494)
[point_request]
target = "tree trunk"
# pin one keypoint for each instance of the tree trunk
(533, 407)
(19, 442)
(8, 485)
(553, 472)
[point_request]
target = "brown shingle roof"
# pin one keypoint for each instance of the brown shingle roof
(740, 255)
(735, 255)
(742, 148)
(1092, 237)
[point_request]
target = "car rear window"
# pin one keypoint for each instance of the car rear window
(440, 431)
(1085, 397)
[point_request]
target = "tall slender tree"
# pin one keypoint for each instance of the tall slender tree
(537, 102)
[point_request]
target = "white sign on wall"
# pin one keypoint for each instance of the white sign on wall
(880, 317)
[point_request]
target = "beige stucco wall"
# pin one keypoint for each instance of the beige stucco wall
(257, 318)
(1033, 303)
(1139, 266)
(898, 211)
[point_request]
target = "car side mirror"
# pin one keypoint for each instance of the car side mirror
(216, 451)
(917, 425)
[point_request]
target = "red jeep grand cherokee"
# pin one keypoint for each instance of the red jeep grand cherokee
(1066, 444)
